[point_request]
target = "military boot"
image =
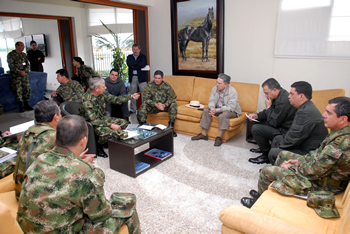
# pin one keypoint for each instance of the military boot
(27, 107)
(101, 152)
(171, 125)
(21, 109)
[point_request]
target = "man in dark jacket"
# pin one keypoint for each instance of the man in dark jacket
(116, 87)
(137, 77)
(36, 58)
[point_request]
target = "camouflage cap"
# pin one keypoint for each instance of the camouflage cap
(292, 184)
(323, 203)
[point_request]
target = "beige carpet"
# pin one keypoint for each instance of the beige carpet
(186, 193)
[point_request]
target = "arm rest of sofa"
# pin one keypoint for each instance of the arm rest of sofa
(250, 221)
(7, 184)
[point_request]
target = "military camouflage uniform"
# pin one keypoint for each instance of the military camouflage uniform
(64, 194)
(85, 73)
(326, 168)
(19, 84)
(92, 108)
(6, 168)
(70, 90)
(44, 142)
(153, 94)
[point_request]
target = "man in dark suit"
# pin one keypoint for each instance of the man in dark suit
(137, 78)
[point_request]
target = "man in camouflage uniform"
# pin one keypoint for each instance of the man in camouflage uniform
(64, 194)
(85, 72)
(326, 168)
(19, 72)
(47, 115)
(6, 168)
(158, 96)
(307, 130)
(223, 104)
(92, 108)
(275, 120)
(69, 90)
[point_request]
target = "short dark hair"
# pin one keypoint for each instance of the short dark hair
(79, 60)
(114, 69)
(136, 45)
(225, 77)
(343, 106)
(44, 111)
(17, 43)
(159, 72)
(70, 130)
(63, 72)
(31, 42)
(303, 87)
(272, 83)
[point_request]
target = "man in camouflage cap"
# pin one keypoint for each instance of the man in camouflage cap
(69, 90)
(19, 72)
(37, 140)
(158, 96)
(326, 168)
(64, 194)
(92, 108)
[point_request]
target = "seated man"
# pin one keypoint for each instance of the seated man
(38, 139)
(307, 130)
(275, 120)
(7, 167)
(116, 87)
(326, 168)
(92, 108)
(158, 96)
(69, 90)
(64, 194)
(223, 103)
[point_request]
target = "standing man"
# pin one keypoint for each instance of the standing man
(64, 194)
(326, 168)
(92, 108)
(137, 78)
(35, 57)
(116, 87)
(275, 120)
(19, 72)
(307, 131)
(158, 96)
(69, 90)
(223, 103)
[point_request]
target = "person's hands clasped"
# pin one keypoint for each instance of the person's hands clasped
(87, 157)
(115, 127)
(136, 96)
(290, 162)
(212, 112)
(160, 106)
(22, 73)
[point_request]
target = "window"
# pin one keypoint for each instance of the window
(313, 29)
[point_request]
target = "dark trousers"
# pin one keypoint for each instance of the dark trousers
(263, 134)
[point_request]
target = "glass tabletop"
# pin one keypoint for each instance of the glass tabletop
(138, 135)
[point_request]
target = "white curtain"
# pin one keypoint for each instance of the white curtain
(308, 29)
(10, 27)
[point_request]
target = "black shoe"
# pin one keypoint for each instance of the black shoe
(101, 152)
(261, 159)
(258, 150)
(27, 107)
(105, 145)
(142, 123)
(174, 134)
(254, 194)
(21, 109)
(248, 202)
(171, 125)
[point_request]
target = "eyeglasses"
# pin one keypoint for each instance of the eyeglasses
(268, 92)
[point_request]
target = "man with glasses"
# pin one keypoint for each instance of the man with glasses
(223, 104)
(274, 120)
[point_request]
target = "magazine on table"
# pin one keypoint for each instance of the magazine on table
(158, 154)
(140, 166)
(6, 154)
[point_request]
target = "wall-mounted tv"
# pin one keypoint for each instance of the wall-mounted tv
(40, 41)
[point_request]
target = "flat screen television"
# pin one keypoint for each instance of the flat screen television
(40, 42)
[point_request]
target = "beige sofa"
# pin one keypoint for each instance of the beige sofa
(189, 88)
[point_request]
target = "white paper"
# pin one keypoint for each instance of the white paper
(146, 68)
(161, 126)
(131, 126)
(131, 134)
(251, 118)
(147, 127)
(20, 127)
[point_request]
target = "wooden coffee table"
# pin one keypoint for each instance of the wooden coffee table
(122, 156)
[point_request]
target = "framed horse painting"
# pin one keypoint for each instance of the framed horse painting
(197, 37)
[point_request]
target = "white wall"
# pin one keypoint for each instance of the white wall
(53, 61)
(250, 27)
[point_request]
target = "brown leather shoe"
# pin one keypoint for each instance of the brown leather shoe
(218, 141)
(200, 136)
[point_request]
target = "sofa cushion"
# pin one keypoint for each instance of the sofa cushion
(321, 97)
(248, 95)
(182, 85)
(8, 221)
(7, 184)
(202, 89)
(344, 225)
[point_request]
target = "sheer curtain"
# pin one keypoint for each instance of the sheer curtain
(10, 27)
(313, 29)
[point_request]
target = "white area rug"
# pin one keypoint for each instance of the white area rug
(186, 193)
